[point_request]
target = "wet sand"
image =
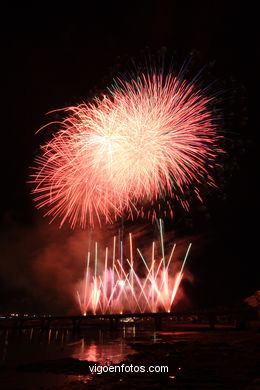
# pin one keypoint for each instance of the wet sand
(217, 359)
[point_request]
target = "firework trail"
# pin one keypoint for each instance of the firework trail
(118, 288)
(150, 138)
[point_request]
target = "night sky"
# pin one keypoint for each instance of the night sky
(54, 58)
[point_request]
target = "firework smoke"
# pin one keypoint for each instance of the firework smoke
(149, 138)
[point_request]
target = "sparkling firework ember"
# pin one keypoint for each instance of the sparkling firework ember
(119, 289)
(148, 139)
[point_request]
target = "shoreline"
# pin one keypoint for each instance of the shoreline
(196, 360)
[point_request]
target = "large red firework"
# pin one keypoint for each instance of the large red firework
(149, 138)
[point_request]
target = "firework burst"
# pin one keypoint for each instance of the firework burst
(149, 138)
(118, 288)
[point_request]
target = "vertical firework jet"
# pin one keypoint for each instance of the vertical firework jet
(118, 288)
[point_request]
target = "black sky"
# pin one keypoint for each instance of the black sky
(53, 58)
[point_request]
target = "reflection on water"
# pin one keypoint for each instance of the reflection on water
(101, 353)
(31, 345)
(102, 346)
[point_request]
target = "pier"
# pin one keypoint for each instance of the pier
(76, 322)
